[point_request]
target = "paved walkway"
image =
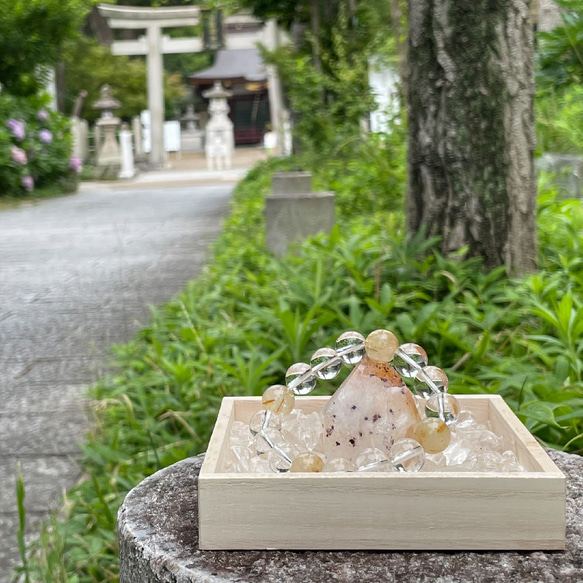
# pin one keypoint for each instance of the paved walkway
(76, 275)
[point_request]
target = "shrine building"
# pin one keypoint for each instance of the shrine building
(244, 74)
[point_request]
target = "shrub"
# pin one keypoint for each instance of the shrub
(35, 146)
(559, 120)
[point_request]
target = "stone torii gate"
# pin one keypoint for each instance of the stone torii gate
(154, 45)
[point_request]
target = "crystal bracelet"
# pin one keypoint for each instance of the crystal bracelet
(381, 346)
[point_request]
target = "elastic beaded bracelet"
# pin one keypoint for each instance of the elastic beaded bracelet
(382, 347)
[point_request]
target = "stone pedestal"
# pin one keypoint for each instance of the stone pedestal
(192, 141)
(290, 182)
(109, 153)
(191, 137)
(293, 213)
(158, 543)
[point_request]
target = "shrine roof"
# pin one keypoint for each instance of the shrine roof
(244, 64)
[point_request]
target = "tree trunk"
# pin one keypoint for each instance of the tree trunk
(315, 23)
(97, 25)
(471, 174)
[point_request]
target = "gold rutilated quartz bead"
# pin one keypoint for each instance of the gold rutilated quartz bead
(432, 433)
(381, 345)
(279, 399)
(307, 462)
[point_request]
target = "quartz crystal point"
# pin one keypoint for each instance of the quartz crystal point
(372, 408)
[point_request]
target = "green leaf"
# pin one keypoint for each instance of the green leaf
(540, 412)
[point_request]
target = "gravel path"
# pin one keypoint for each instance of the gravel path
(77, 274)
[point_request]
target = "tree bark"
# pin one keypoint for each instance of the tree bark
(471, 176)
(315, 24)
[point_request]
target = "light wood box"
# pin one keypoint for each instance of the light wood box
(423, 511)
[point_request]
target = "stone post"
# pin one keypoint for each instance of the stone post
(156, 95)
(275, 93)
(77, 133)
(127, 154)
(138, 140)
(288, 141)
(293, 212)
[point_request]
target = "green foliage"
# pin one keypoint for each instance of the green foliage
(35, 146)
(90, 65)
(20, 495)
(558, 104)
(236, 328)
(559, 120)
(560, 51)
(325, 71)
(367, 173)
(32, 36)
(329, 104)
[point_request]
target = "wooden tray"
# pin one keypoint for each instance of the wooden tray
(423, 511)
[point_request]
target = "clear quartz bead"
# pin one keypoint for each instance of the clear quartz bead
(350, 347)
(436, 377)
(407, 455)
(465, 419)
(372, 460)
(300, 379)
(280, 458)
(266, 440)
(444, 406)
(326, 364)
(408, 359)
(262, 420)
(338, 464)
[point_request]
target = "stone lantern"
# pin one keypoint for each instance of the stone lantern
(108, 153)
(220, 137)
(191, 138)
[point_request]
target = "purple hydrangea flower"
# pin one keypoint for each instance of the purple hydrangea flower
(42, 115)
(18, 155)
(45, 136)
(75, 164)
(17, 128)
(28, 183)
